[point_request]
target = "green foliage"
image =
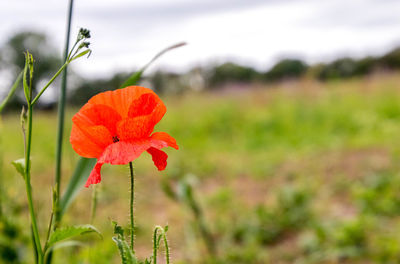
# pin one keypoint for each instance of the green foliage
(286, 69)
(10, 236)
(19, 165)
(270, 225)
(127, 255)
(337, 241)
(391, 60)
(231, 73)
(379, 194)
(68, 232)
(341, 68)
(75, 184)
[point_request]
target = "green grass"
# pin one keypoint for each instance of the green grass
(302, 172)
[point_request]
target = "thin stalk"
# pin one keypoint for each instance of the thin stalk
(12, 91)
(50, 82)
(1, 179)
(156, 244)
(48, 231)
(61, 114)
(94, 205)
(29, 187)
(60, 128)
(131, 206)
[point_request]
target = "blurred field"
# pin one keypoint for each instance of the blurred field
(300, 172)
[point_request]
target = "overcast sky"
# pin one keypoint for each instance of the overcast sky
(127, 33)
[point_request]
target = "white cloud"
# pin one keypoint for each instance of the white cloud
(126, 34)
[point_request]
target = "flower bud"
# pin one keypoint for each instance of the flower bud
(83, 34)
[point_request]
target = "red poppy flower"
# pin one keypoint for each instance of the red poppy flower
(116, 127)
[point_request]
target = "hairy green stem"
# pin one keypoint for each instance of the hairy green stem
(131, 206)
(156, 244)
(29, 187)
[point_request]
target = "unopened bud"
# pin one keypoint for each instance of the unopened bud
(83, 34)
(84, 45)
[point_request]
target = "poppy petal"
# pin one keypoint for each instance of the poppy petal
(123, 152)
(131, 129)
(120, 100)
(144, 105)
(159, 158)
(90, 142)
(93, 115)
(94, 176)
(148, 105)
(164, 137)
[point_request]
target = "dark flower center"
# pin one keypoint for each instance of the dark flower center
(115, 139)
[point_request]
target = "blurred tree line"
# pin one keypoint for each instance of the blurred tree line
(211, 77)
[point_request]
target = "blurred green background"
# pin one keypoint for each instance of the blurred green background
(297, 162)
(304, 172)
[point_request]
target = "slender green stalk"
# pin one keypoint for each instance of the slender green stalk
(29, 187)
(50, 82)
(155, 245)
(94, 205)
(60, 128)
(48, 231)
(131, 206)
(61, 113)
(12, 91)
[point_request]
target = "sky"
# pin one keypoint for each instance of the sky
(127, 33)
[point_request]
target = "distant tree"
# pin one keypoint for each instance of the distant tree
(47, 59)
(88, 88)
(340, 68)
(391, 60)
(286, 69)
(230, 72)
(366, 66)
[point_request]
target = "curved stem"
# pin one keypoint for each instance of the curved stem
(156, 244)
(131, 206)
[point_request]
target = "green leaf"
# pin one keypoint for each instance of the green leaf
(19, 165)
(12, 91)
(68, 243)
(76, 182)
(118, 230)
(68, 232)
(83, 53)
(125, 252)
(135, 77)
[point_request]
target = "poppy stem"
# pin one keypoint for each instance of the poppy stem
(132, 233)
